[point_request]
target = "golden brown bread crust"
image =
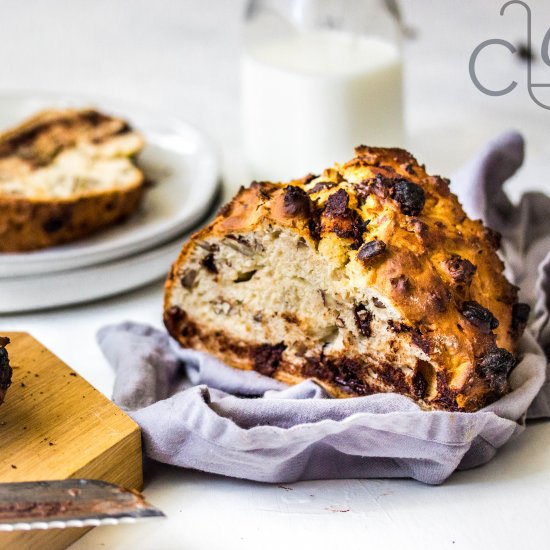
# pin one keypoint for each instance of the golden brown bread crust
(31, 221)
(413, 244)
(32, 224)
(5, 369)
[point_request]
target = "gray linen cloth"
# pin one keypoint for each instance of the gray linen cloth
(196, 412)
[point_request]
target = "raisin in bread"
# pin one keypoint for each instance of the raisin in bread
(5, 369)
(369, 278)
(65, 174)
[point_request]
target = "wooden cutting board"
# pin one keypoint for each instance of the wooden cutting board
(54, 425)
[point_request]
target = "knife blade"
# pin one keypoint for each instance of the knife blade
(69, 503)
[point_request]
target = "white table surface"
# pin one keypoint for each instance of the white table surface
(182, 57)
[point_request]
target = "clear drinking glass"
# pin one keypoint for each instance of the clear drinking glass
(318, 77)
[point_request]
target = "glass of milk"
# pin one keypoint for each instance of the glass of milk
(318, 78)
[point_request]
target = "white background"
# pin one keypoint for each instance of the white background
(182, 57)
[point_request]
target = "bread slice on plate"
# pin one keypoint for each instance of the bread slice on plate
(369, 278)
(5, 369)
(64, 175)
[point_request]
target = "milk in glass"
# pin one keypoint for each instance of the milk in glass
(308, 98)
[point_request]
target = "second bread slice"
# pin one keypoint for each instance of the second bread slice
(64, 175)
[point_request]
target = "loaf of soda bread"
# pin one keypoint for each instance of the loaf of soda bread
(64, 175)
(368, 278)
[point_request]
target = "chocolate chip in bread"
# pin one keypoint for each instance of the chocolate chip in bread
(5, 369)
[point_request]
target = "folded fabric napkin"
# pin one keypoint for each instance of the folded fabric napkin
(196, 412)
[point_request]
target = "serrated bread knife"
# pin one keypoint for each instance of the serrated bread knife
(69, 503)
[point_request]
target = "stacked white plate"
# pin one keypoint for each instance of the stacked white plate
(183, 166)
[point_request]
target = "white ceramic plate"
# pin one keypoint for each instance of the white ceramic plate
(65, 288)
(178, 158)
